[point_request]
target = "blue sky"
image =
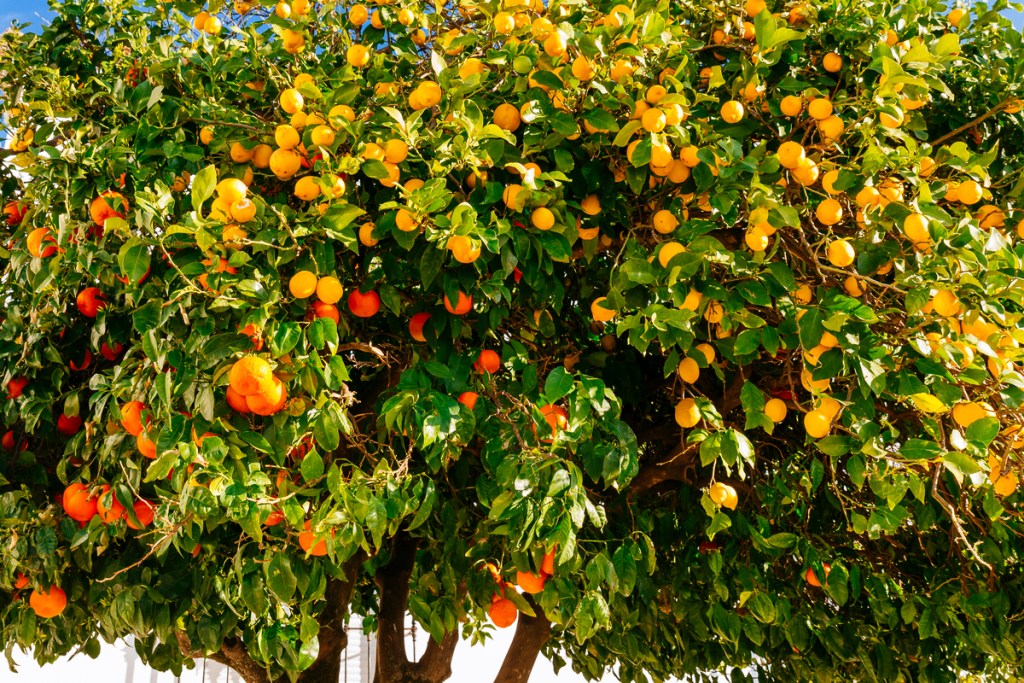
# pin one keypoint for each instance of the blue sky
(30, 10)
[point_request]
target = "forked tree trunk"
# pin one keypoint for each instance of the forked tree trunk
(531, 634)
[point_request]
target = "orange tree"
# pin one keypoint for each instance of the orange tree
(682, 335)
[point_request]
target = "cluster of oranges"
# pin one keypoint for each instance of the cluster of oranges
(254, 388)
(503, 611)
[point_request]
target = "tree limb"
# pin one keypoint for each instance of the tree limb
(232, 654)
(971, 124)
(531, 635)
(679, 465)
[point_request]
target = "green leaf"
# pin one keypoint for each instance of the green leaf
(280, 577)
(312, 467)
(375, 169)
(133, 259)
(327, 432)
(558, 384)
(203, 184)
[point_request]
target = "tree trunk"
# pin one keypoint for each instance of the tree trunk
(531, 634)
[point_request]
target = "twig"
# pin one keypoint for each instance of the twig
(865, 278)
(952, 516)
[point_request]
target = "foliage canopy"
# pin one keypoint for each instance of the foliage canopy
(700, 320)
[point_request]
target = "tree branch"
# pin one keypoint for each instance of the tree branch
(232, 654)
(971, 124)
(333, 634)
(679, 465)
(393, 582)
(531, 635)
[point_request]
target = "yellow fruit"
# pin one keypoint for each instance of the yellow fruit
(832, 62)
(406, 17)
(504, 23)
(1006, 484)
(831, 128)
(775, 409)
(302, 284)
(820, 108)
(591, 205)
(688, 370)
(542, 218)
(285, 163)
(891, 120)
(804, 294)
(582, 69)
(829, 180)
(829, 212)
(692, 300)
(357, 55)
(723, 495)
(239, 154)
(555, 45)
(599, 312)
(791, 106)
(507, 117)
(463, 248)
(754, 7)
(853, 286)
(714, 313)
(665, 222)
(969, 192)
(732, 111)
(841, 253)
(287, 137)
(307, 188)
(471, 67)
(756, 239)
(395, 151)
(791, 154)
(955, 17)
(915, 227)
(817, 424)
(405, 221)
(668, 251)
(291, 101)
(366, 234)
(687, 413)
(206, 135)
(231, 190)
(946, 303)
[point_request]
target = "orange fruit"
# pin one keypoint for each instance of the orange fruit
(599, 312)
(144, 511)
(812, 578)
(322, 310)
(462, 306)
(791, 106)
(817, 424)
(146, 446)
(775, 409)
(829, 212)
(310, 544)
(530, 583)
(364, 305)
(48, 604)
(468, 399)
(89, 301)
(723, 495)
(131, 417)
(269, 399)
(832, 62)
(732, 111)
(35, 241)
(109, 204)
(416, 325)
(250, 375)
(791, 154)
(841, 253)
(108, 507)
(503, 612)
(329, 289)
(303, 284)
(78, 504)
(488, 361)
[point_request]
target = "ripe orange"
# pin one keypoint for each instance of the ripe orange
(829, 212)
(503, 612)
(77, 503)
(547, 566)
(530, 583)
(969, 192)
(48, 604)
(416, 325)
(329, 289)
(303, 284)
(108, 507)
(270, 399)
(791, 106)
(488, 361)
(791, 154)
(291, 101)
(109, 204)
(146, 446)
(16, 387)
(236, 401)
(468, 399)
(357, 55)
(841, 253)
(812, 578)
(775, 409)
(817, 424)
(35, 241)
(464, 249)
(322, 310)
(832, 62)
(20, 581)
(462, 306)
(507, 117)
(131, 417)
(732, 111)
(364, 305)
(542, 218)
(687, 414)
(723, 495)
(599, 312)
(249, 375)
(309, 543)
(557, 419)
(90, 301)
(144, 511)
(820, 108)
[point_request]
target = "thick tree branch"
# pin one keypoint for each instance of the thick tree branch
(679, 465)
(393, 582)
(971, 124)
(333, 635)
(531, 635)
(232, 653)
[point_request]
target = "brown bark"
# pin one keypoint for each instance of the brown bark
(393, 665)
(531, 635)
(679, 465)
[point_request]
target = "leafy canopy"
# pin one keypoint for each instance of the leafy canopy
(705, 316)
